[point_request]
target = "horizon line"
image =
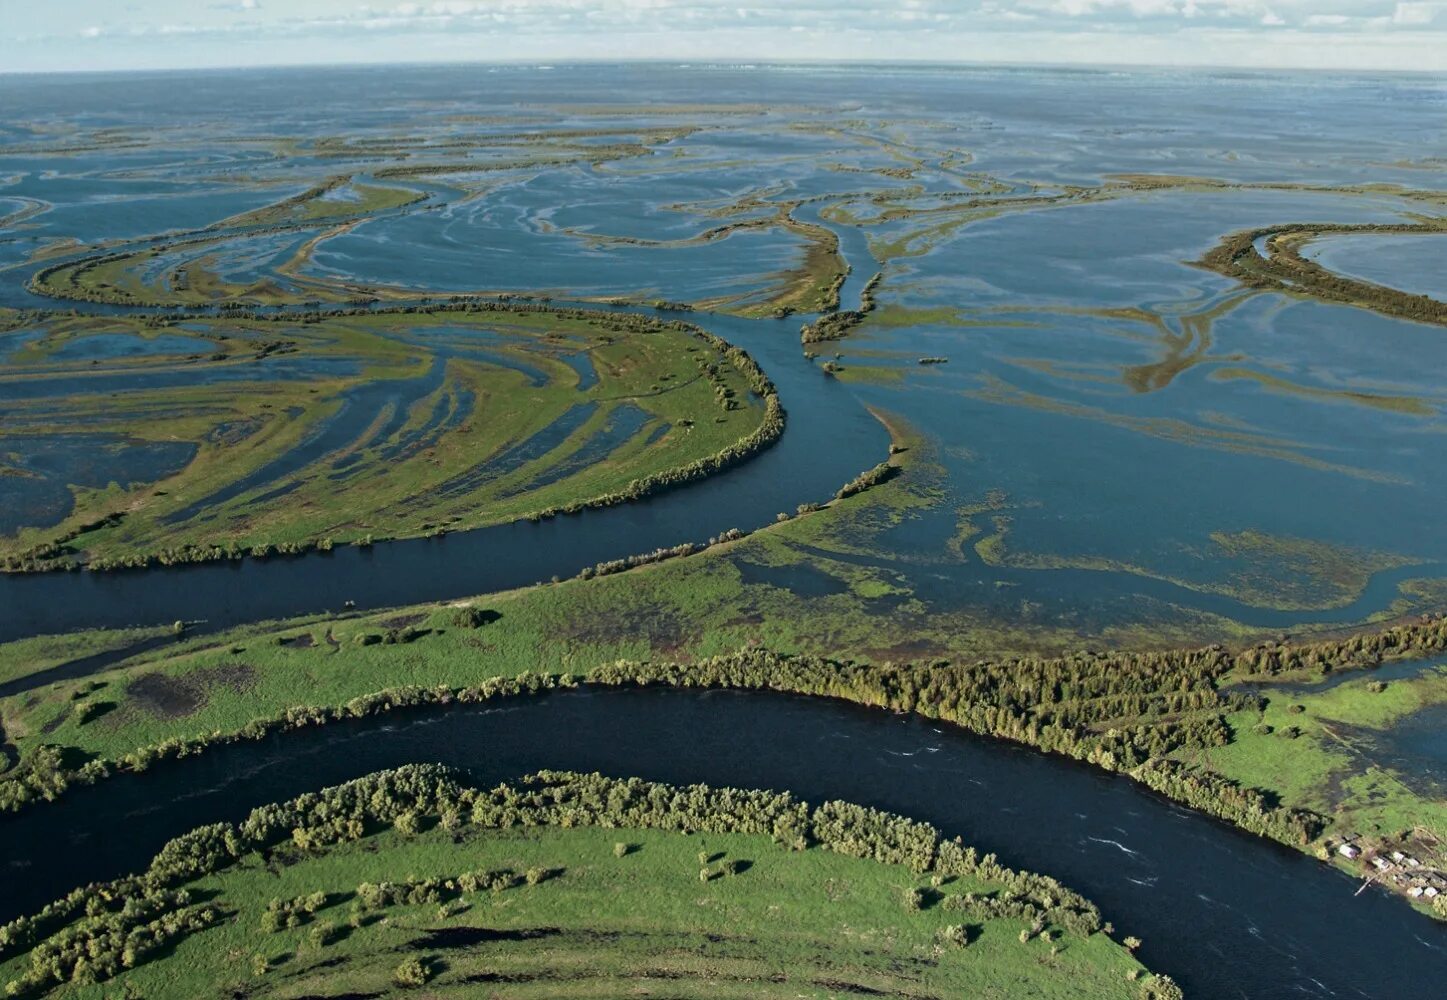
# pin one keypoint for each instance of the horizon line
(736, 62)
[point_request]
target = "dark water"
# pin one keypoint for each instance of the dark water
(51, 465)
(1056, 324)
(1227, 914)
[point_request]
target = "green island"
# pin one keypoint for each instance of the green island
(1236, 733)
(570, 885)
(476, 413)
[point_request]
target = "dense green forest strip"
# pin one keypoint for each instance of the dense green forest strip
(1126, 712)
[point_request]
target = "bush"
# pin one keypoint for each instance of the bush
(1161, 988)
(412, 973)
(472, 616)
(956, 934)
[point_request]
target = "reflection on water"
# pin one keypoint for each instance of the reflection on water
(1416, 264)
(37, 473)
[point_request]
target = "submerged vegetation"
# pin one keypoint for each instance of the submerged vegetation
(389, 335)
(514, 411)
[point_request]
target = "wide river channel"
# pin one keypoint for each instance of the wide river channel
(1227, 914)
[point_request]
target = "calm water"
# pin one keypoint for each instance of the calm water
(1412, 263)
(1144, 433)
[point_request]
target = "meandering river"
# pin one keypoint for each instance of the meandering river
(1227, 914)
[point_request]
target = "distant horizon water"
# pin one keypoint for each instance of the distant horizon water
(746, 64)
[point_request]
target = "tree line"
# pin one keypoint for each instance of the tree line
(837, 325)
(57, 553)
(1116, 710)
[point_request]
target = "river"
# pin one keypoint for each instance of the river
(1226, 913)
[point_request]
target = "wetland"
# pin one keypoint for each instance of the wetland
(1084, 423)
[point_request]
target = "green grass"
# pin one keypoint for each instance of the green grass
(792, 924)
(679, 610)
(1336, 765)
(337, 198)
(682, 610)
(27, 656)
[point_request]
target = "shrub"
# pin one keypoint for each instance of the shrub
(472, 616)
(956, 934)
(412, 973)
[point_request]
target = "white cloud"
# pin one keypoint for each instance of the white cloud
(1058, 30)
(1416, 14)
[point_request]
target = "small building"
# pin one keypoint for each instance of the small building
(1416, 891)
(1398, 857)
(1413, 862)
(1430, 891)
(1381, 864)
(1349, 850)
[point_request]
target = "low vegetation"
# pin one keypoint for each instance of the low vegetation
(453, 438)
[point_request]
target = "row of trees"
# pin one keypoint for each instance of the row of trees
(58, 553)
(1117, 710)
(869, 478)
(100, 946)
(1249, 808)
(837, 325)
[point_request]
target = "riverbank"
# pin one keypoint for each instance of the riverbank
(1283, 267)
(1167, 712)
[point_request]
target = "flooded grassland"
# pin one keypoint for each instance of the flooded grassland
(1148, 376)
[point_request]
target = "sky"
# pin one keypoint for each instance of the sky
(65, 35)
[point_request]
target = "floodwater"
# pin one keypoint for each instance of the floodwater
(1143, 435)
(1136, 439)
(1413, 263)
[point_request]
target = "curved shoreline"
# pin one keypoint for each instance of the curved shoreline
(424, 798)
(828, 439)
(807, 464)
(42, 558)
(1284, 269)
